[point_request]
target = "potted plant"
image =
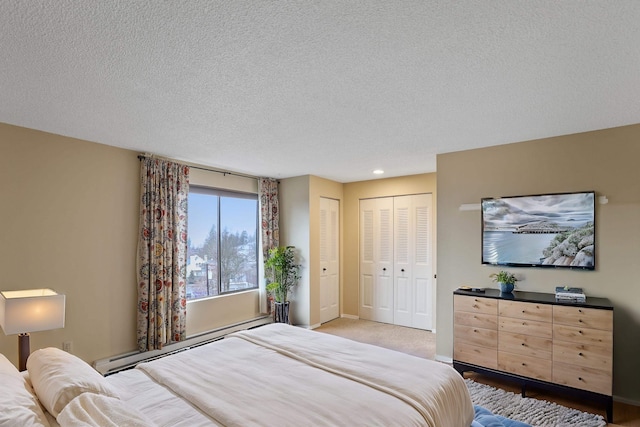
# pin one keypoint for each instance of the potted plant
(282, 274)
(506, 280)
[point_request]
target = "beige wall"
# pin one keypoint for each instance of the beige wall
(300, 227)
(70, 222)
(293, 195)
(69, 217)
(605, 161)
(353, 192)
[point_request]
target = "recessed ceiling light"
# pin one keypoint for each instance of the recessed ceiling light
(378, 171)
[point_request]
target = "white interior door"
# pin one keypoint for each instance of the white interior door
(403, 261)
(376, 259)
(367, 259)
(329, 259)
(384, 286)
(422, 265)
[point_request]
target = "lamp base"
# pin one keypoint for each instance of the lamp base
(24, 350)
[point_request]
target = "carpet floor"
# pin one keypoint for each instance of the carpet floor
(412, 341)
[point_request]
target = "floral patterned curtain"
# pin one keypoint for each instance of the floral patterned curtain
(269, 219)
(162, 253)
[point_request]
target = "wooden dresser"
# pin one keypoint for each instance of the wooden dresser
(530, 338)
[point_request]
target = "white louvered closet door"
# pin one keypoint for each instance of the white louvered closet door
(329, 259)
(396, 260)
(413, 266)
(376, 259)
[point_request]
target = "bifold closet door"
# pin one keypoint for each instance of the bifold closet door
(413, 261)
(376, 259)
(396, 260)
(329, 259)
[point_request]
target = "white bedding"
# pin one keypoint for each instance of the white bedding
(158, 403)
(98, 410)
(280, 375)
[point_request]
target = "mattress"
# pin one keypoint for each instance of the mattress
(283, 375)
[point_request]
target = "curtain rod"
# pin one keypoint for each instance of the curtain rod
(142, 156)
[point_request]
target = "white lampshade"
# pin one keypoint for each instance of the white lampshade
(31, 310)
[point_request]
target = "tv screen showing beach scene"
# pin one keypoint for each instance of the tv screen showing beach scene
(551, 230)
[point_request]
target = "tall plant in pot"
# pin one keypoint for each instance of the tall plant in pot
(282, 274)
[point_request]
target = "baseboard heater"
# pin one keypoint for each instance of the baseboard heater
(130, 360)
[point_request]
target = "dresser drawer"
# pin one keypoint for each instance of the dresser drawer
(475, 304)
(528, 327)
(583, 378)
(476, 336)
(527, 366)
(583, 317)
(480, 356)
(587, 355)
(526, 310)
(527, 345)
(486, 321)
(582, 335)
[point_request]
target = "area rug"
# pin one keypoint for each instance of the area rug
(538, 413)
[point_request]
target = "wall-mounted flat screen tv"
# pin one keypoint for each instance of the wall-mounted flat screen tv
(551, 230)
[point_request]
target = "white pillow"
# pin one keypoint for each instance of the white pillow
(58, 377)
(95, 410)
(18, 405)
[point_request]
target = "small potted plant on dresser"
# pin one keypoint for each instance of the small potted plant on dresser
(282, 274)
(505, 279)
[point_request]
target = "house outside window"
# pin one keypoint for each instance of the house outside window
(222, 242)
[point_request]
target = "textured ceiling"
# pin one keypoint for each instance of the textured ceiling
(329, 88)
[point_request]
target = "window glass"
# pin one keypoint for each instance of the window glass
(222, 242)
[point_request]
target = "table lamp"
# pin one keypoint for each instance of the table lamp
(27, 311)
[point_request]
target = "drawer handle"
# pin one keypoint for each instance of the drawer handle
(580, 320)
(524, 364)
(524, 345)
(523, 311)
(475, 330)
(580, 332)
(524, 323)
(580, 379)
(580, 354)
(579, 311)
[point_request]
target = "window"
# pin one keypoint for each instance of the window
(222, 242)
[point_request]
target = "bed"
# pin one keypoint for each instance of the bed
(274, 375)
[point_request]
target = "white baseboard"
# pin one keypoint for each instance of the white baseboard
(128, 360)
(350, 316)
(444, 359)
